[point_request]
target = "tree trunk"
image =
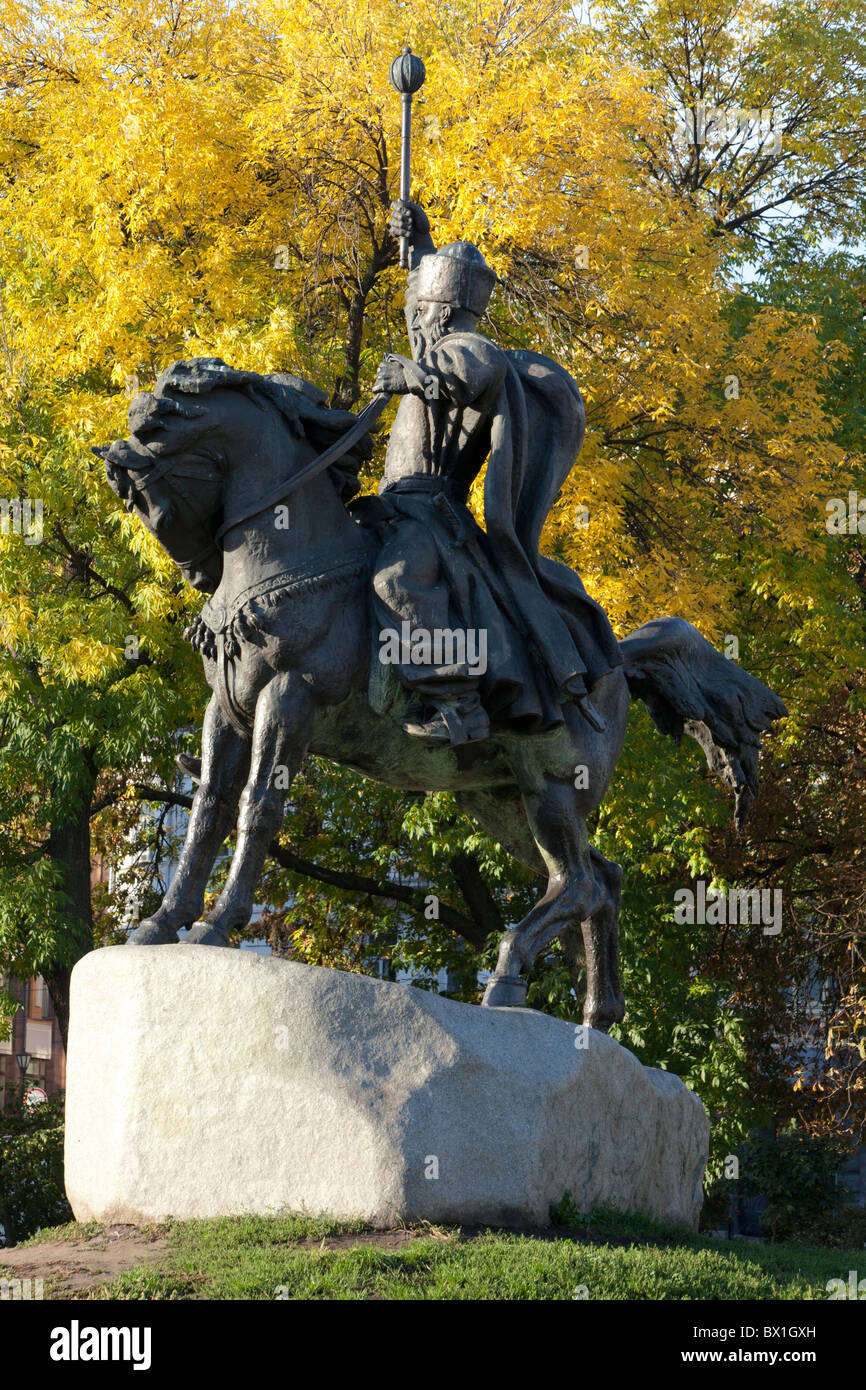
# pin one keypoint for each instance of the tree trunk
(69, 847)
(346, 388)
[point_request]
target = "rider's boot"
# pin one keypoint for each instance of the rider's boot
(463, 720)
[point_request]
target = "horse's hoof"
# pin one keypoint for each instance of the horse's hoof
(602, 1020)
(504, 992)
(152, 933)
(206, 934)
(603, 1014)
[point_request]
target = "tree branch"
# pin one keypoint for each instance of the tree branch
(476, 894)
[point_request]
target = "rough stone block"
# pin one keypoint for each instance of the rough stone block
(206, 1082)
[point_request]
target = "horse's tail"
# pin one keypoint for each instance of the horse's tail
(688, 687)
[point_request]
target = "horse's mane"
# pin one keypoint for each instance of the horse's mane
(304, 407)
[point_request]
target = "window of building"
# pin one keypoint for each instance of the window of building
(38, 1039)
(40, 1000)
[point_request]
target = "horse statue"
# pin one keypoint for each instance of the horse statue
(248, 482)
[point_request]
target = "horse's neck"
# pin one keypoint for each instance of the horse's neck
(309, 532)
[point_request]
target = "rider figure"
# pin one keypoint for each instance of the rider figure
(451, 389)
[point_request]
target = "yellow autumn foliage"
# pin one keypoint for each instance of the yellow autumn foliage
(188, 177)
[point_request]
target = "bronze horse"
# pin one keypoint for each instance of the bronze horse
(287, 644)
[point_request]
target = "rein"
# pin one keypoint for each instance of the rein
(363, 424)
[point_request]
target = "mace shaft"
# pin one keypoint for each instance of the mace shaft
(405, 162)
(407, 75)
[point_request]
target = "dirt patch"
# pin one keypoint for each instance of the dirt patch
(397, 1239)
(70, 1266)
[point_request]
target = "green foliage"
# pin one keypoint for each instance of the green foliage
(796, 1172)
(841, 1229)
(565, 1212)
(32, 1194)
(345, 825)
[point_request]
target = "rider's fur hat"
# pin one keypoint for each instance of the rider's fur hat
(458, 275)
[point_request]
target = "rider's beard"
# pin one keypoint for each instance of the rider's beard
(425, 339)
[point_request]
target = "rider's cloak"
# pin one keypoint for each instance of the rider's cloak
(547, 639)
(536, 432)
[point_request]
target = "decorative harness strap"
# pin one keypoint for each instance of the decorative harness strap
(218, 632)
(220, 617)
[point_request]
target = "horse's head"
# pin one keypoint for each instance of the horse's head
(202, 421)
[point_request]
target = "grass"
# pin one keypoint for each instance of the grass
(609, 1257)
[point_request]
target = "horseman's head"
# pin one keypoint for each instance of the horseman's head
(450, 292)
(203, 420)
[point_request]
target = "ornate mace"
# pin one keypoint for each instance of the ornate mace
(407, 75)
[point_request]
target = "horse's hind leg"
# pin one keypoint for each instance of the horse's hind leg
(604, 1003)
(561, 836)
(582, 897)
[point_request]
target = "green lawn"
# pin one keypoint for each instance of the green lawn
(609, 1257)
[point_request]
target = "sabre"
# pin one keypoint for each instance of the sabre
(407, 76)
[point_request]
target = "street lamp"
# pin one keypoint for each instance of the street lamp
(23, 1060)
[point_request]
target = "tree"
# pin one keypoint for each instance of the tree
(183, 179)
(93, 677)
(31, 1170)
(761, 109)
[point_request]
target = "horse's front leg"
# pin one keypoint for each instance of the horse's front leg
(224, 769)
(285, 711)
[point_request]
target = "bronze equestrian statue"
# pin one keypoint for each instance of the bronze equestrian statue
(337, 624)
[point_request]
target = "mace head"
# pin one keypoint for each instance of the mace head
(407, 73)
